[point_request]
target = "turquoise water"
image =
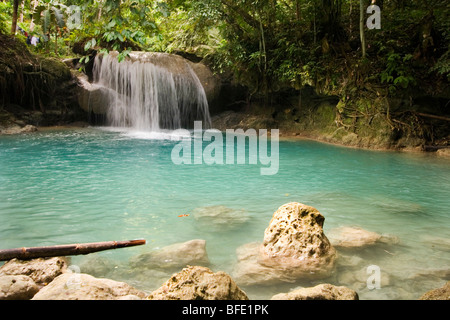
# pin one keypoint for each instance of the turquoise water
(86, 185)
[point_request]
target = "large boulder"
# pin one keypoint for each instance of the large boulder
(17, 287)
(295, 242)
(199, 283)
(41, 270)
(178, 256)
(80, 286)
(319, 292)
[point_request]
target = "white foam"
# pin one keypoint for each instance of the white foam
(148, 135)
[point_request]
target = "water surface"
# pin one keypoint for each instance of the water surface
(87, 185)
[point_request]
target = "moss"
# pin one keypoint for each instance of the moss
(55, 67)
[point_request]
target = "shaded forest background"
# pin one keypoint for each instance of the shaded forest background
(285, 58)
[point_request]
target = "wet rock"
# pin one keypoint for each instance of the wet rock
(357, 279)
(177, 256)
(17, 287)
(80, 286)
(199, 283)
(295, 242)
(99, 266)
(443, 152)
(320, 292)
(432, 273)
(16, 129)
(211, 83)
(41, 270)
(352, 237)
(92, 98)
(436, 242)
(442, 293)
(219, 217)
(248, 271)
(349, 261)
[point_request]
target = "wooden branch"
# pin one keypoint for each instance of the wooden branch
(426, 115)
(65, 250)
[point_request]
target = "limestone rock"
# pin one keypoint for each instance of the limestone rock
(98, 266)
(16, 129)
(41, 270)
(199, 283)
(356, 237)
(220, 217)
(17, 287)
(357, 279)
(438, 294)
(248, 271)
(444, 152)
(80, 286)
(351, 237)
(294, 241)
(178, 255)
(210, 82)
(92, 97)
(319, 292)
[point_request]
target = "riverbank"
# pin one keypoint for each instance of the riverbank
(326, 132)
(246, 121)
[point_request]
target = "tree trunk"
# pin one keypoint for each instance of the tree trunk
(22, 9)
(361, 28)
(14, 17)
(35, 4)
(65, 250)
(56, 41)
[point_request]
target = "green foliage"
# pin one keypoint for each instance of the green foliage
(442, 66)
(5, 16)
(51, 16)
(398, 72)
(267, 44)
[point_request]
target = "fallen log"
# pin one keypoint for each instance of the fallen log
(65, 250)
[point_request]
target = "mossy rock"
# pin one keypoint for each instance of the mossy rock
(56, 68)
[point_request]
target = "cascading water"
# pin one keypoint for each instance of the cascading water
(151, 91)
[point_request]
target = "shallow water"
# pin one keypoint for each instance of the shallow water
(87, 185)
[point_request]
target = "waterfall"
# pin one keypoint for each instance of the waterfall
(151, 91)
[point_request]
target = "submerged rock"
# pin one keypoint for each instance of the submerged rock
(319, 292)
(178, 255)
(248, 271)
(41, 270)
(294, 241)
(80, 286)
(17, 287)
(220, 217)
(438, 294)
(355, 237)
(199, 283)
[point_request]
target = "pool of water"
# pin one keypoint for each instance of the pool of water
(88, 185)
